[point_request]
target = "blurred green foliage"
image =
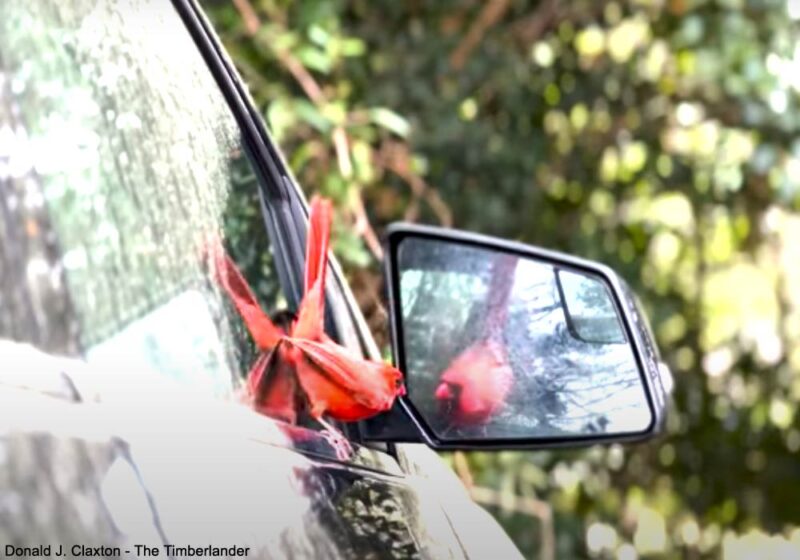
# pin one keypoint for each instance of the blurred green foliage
(657, 136)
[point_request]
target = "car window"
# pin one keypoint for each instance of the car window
(119, 162)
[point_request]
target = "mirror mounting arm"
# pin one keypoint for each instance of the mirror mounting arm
(393, 426)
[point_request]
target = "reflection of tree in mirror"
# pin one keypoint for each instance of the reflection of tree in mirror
(561, 384)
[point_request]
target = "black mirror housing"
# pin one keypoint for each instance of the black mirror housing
(505, 346)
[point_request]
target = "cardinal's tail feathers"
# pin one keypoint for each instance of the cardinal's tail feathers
(500, 287)
(319, 234)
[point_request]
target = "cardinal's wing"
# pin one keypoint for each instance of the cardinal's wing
(265, 334)
(342, 385)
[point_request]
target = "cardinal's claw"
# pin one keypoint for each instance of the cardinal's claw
(336, 440)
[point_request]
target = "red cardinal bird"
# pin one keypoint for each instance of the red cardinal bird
(474, 386)
(303, 369)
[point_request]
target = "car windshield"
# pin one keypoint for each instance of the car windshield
(118, 159)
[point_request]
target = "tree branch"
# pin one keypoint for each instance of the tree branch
(531, 27)
(396, 157)
(249, 16)
(491, 13)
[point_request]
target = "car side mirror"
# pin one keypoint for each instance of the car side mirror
(505, 345)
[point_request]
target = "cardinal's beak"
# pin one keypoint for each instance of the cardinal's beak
(443, 392)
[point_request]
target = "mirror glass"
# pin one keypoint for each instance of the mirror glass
(498, 346)
(588, 308)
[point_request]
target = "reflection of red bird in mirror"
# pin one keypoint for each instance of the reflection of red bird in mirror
(476, 383)
(300, 368)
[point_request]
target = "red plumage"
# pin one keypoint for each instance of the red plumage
(476, 383)
(303, 368)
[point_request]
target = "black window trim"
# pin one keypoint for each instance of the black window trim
(284, 219)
